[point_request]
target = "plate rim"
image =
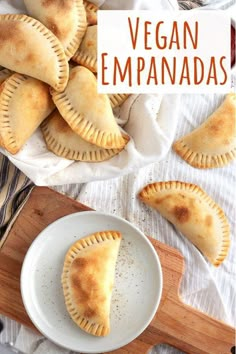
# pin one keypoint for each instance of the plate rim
(23, 277)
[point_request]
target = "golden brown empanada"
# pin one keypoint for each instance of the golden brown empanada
(88, 113)
(28, 47)
(4, 74)
(117, 99)
(212, 144)
(192, 212)
(24, 103)
(91, 12)
(66, 19)
(64, 142)
(88, 278)
(86, 55)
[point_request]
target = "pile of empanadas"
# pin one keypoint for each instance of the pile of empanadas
(39, 87)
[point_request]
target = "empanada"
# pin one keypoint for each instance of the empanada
(88, 113)
(4, 74)
(86, 55)
(91, 12)
(212, 144)
(28, 47)
(24, 103)
(117, 99)
(66, 19)
(192, 212)
(64, 142)
(88, 278)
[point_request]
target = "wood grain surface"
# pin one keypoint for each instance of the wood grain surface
(175, 323)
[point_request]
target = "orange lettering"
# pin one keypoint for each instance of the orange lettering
(122, 75)
(198, 80)
(133, 36)
(103, 69)
(212, 72)
(185, 72)
(164, 64)
(193, 40)
(146, 34)
(140, 67)
(164, 38)
(223, 69)
(154, 74)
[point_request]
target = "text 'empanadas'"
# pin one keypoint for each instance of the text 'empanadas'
(86, 55)
(88, 113)
(64, 142)
(88, 279)
(24, 103)
(28, 47)
(212, 144)
(192, 212)
(66, 19)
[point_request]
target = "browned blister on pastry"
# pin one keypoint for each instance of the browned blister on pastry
(24, 103)
(212, 144)
(28, 47)
(193, 213)
(86, 55)
(64, 142)
(66, 19)
(88, 278)
(91, 12)
(87, 112)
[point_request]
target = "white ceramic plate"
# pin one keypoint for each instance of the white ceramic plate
(136, 294)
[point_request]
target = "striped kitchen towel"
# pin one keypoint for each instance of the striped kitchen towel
(14, 189)
(188, 5)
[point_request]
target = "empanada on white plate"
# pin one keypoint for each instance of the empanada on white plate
(28, 47)
(213, 143)
(66, 19)
(4, 74)
(87, 112)
(86, 55)
(91, 12)
(88, 278)
(194, 214)
(24, 103)
(64, 142)
(117, 99)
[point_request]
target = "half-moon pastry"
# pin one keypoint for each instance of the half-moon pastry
(24, 103)
(64, 142)
(117, 99)
(193, 213)
(87, 112)
(91, 12)
(88, 278)
(86, 55)
(66, 19)
(4, 74)
(212, 144)
(28, 47)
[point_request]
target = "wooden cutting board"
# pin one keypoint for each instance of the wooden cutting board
(175, 323)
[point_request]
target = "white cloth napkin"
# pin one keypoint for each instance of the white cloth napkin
(146, 118)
